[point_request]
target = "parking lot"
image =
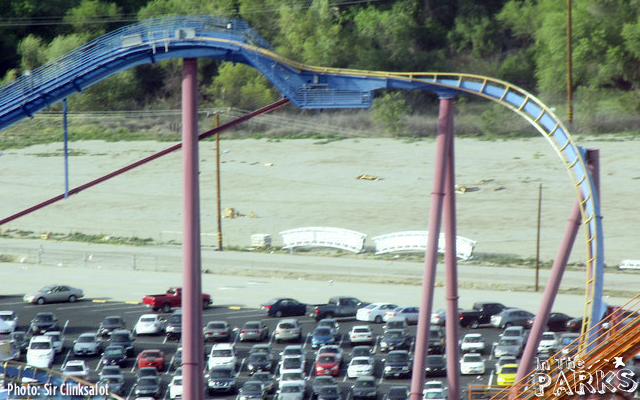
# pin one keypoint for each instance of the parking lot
(86, 315)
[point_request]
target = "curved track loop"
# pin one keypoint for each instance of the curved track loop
(306, 86)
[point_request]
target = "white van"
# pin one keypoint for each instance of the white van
(41, 351)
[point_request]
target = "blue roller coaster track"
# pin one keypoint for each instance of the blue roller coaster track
(305, 86)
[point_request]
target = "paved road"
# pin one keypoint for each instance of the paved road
(126, 273)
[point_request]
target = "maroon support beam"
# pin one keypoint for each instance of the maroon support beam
(431, 253)
(192, 341)
(143, 161)
(555, 278)
(451, 268)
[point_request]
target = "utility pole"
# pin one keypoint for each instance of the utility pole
(569, 67)
(538, 236)
(218, 182)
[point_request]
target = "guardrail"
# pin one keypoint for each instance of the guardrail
(417, 241)
(324, 237)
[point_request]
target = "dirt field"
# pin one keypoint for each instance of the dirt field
(280, 185)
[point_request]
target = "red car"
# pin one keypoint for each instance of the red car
(327, 364)
(151, 358)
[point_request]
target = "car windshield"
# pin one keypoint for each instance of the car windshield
(112, 321)
(326, 359)
(286, 325)
(361, 361)
(40, 346)
(290, 363)
(258, 357)
(252, 387)
(86, 339)
(361, 330)
(292, 376)
(120, 337)
(546, 336)
(364, 383)
(397, 392)
(252, 325)
(509, 370)
(222, 353)
(472, 358)
(433, 394)
(148, 319)
(147, 381)
(175, 319)
(472, 339)
(47, 289)
(322, 331)
(111, 370)
(216, 325)
(74, 368)
(44, 318)
(5, 317)
(328, 390)
(114, 351)
(508, 342)
(291, 389)
(398, 357)
(152, 354)
(111, 379)
(393, 335)
(291, 351)
(54, 336)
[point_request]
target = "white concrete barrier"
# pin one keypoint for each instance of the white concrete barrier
(629, 264)
(324, 237)
(417, 241)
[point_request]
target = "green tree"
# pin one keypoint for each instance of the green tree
(388, 110)
(241, 86)
(92, 17)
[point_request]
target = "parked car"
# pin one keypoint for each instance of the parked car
(548, 343)
(434, 394)
(472, 363)
(151, 358)
(364, 388)
(149, 324)
(394, 339)
(505, 360)
(374, 312)
(332, 324)
(217, 330)
(266, 379)
(291, 363)
(396, 323)
(557, 322)
(88, 344)
(321, 381)
(397, 364)
(253, 330)
(76, 368)
(259, 362)
(290, 391)
(173, 327)
(175, 387)
(283, 307)
(473, 343)
(221, 379)
(322, 335)
(480, 314)
(511, 317)
(435, 365)
(568, 343)
(409, 314)
(8, 321)
(329, 393)
(111, 370)
(360, 366)
(43, 322)
(124, 338)
(147, 386)
(58, 340)
(41, 352)
(171, 299)
(361, 351)
(20, 339)
(397, 393)
(251, 390)
(288, 329)
(110, 324)
(361, 334)
(114, 355)
(223, 354)
(113, 384)
(436, 340)
(298, 377)
(574, 324)
(54, 294)
(338, 306)
(333, 349)
(508, 346)
(327, 364)
(506, 375)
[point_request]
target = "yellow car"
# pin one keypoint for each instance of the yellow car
(507, 374)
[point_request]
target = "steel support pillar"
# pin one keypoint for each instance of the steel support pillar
(555, 278)
(451, 268)
(192, 342)
(445, 121)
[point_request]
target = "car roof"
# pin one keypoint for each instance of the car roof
(223, 346)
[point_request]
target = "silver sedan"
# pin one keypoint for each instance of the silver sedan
(53, 294)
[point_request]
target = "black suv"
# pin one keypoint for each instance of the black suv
(43, 322)
(397, 364)
(110, 324)
(221, 379)
(124, 338)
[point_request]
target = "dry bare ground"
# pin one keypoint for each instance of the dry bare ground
(280, 185)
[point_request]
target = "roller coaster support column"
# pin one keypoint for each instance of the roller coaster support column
(192, 346)
(445, 124)
(451, 268)
(553, 283)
